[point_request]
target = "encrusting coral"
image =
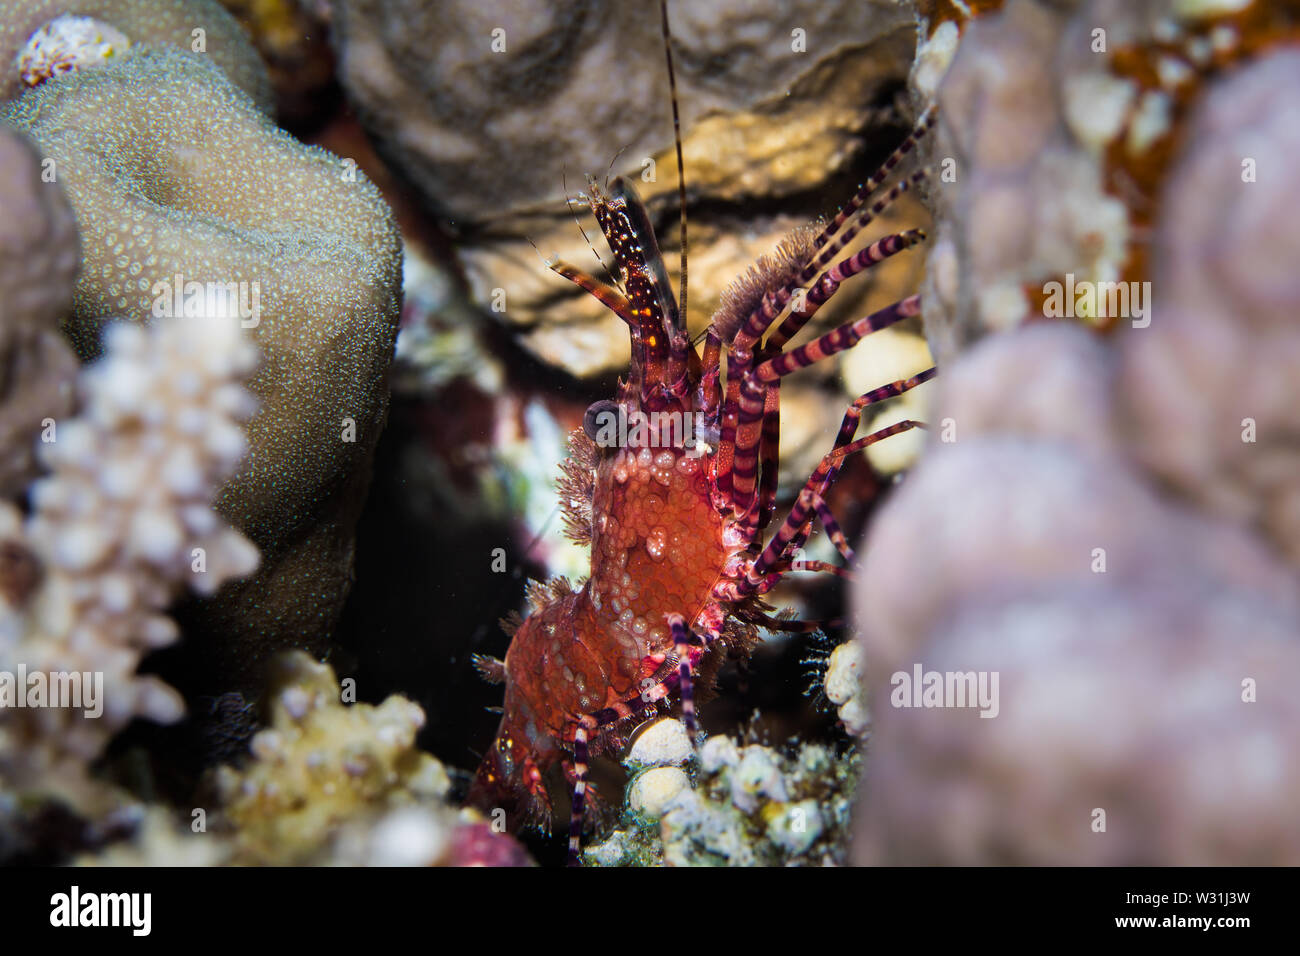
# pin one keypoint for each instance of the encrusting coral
(118, 527)
(68, 43)
(186, 194)
(39, 254)
(200, 26)
(1007, 158)
(843, 688)
(327, 784)
(1076, 138)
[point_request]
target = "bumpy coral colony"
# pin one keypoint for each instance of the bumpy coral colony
(675, 513)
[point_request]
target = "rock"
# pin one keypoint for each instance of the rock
(450, 116)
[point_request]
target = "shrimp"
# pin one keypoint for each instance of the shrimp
(672, 484)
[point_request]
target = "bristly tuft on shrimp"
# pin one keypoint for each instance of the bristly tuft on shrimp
(577, 485)
(768, 276)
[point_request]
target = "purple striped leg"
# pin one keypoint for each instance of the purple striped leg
(923, 126)
(683, 641)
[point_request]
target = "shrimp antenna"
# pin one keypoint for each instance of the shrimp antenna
(564, 180)
(677, 139)
(609, 172)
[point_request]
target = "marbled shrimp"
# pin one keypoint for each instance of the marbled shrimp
(677, 517)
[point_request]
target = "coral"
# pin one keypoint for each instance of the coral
(345, 784)
(1125, 700)
(120, 524)
(652, 791)
(184, 192)
(319, 763)
(159, 840)
(1221, 355)
(200, 26)
(1076, 140)
(1101, 522)
(660, 743)
(327, 784)
(39, 254)
(1011, 160)
(1032, 548)
(743, 805)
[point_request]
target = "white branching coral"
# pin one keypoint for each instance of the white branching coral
(321, 769)
(122, 521)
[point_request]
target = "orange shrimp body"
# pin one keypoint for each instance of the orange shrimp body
(644, 500)
(656, 549)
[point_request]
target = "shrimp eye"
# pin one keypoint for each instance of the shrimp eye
(602, 422)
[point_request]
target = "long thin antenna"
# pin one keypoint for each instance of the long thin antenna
(677, 138)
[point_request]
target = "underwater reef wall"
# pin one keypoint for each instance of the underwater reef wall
(197, 314)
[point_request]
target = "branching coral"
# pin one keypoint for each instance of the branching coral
(121, 523)
(38, 262)
(186, 193)
(346, 783)
(327, 783)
